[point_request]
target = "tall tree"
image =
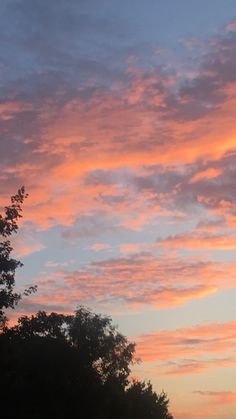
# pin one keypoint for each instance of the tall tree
(8, 265)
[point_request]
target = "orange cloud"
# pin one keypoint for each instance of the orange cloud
(136, 281)
(24, 249)
(193, 349)
(219, 397)
(193, 415)
(134, 247)
(9, 110)
(209, 173)
(26, 243)
(97, 247)
(196, 366)
(200, 241)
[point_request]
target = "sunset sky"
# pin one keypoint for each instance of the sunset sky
(119, 117)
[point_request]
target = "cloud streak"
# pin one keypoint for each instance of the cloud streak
(136, 281)
(194, 349)
(219, 397)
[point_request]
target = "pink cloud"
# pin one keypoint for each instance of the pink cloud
(219, 397)
(26, 243)
(200, 241)
(24, 249)
(193, 349)
(231, 26)
(127, 248)
(9, 110)
(196, 366)
(137, 281)
(209, 173)
(97, 247)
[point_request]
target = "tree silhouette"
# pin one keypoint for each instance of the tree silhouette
(97, 342)
(72, 366)
(8, 265)
(143, 402)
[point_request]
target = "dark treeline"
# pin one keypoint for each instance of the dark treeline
(65, 366)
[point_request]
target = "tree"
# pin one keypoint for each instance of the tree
(8, 265)
(72, 367)
(143, 402)
(98, 343)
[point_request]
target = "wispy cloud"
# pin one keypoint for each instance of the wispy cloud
(193, 349)
(200, 241)
(137, 281)
(219, 397)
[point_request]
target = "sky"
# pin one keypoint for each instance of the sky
(118, 117)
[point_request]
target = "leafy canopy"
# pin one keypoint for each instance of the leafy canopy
(8, 265)
(73, 366)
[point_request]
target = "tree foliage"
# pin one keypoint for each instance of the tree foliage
(97, 342)
(73, 366)
(8, 265)
(143, 402)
